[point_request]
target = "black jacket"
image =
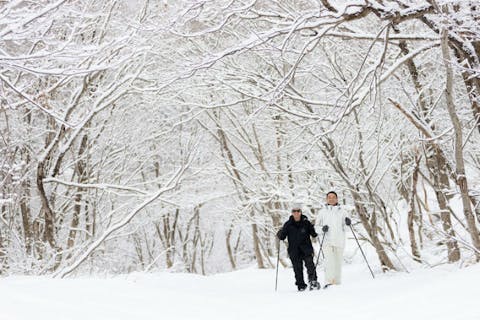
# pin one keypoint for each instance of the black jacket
(298, 233)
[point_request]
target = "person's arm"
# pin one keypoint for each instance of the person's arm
(311, 230)
(321, 221)
(283, 232)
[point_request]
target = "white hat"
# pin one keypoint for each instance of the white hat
(297, 205)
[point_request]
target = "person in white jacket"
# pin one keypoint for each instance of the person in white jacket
(333, 219)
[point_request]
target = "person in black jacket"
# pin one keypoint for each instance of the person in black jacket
(298, 230)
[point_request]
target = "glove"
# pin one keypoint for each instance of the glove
(325, 228)
(282, 233)
(348, 221)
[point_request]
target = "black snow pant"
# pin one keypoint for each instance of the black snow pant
(297, 263)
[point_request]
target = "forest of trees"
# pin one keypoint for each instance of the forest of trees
(144, 135)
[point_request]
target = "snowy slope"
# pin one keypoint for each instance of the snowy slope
(440, 293)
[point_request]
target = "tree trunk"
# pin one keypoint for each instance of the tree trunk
(411, 213)
(26, 214)
(435, 162)
(3, 255)
(81, 173)
(46, 211)
(438, 175)
(229, 247)
(237, 181)
(459, 161)
(256, 247)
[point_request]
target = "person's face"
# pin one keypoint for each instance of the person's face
(332, 199)
(296, 213)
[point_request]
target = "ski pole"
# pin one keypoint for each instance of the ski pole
(278, 258)
(363, 254)
(320, 250)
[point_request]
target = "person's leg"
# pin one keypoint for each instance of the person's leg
(312, 273)
(329, 265)
(297, 265)
(338, 264)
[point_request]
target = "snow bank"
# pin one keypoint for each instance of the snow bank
(441, 293)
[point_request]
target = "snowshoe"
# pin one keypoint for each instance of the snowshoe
(302, 287)
(314, 285)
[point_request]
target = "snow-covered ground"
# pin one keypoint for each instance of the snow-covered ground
(440, 293)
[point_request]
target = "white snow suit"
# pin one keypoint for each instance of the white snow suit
(334, 242)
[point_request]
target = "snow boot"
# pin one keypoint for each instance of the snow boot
(314, 285)
(302, 287)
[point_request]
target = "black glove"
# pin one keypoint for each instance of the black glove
(279, 234)
(325, 228)
(348, 221)
(282, 233)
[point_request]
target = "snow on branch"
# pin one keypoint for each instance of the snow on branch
(101, 186)
(171, 184)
